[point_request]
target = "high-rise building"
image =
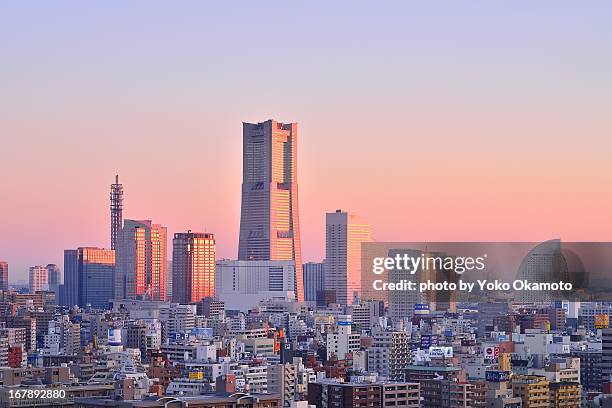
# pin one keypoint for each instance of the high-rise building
(55, 278)
(88, 276)
(39, 278)
(269, 221)
(3, 275)
(116, 209)
(169, 280)
(314, 280)
(141, 261)
(193, 266)
(345, 232)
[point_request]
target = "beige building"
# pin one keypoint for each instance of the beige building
(533, 390)
(269, 220)
(344, 234)
(39, 278)
(141, 261)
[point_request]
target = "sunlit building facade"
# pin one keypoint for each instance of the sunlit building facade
(193, 266)
(4, 275)
(88, 272)
(39, 278)
(344, 234)
(141, 261)
(269, 221)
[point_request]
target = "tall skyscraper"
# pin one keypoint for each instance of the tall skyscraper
(269, 221)
(141, 261)
(39, 278)
(88, 277)
(344, 234)
(193, 266)
(3, 275)
(55, 279)
(116, 208)
(314, 280)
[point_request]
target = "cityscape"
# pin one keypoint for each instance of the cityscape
(128, 326)
(306, 204)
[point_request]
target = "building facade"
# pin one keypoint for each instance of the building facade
(89, 273)
(243, 284)
(141, 261)
(55, 277)
(344, 234)
(39, 278)
(314, 280)
(193, 266)
(4, 268)
(269, 219)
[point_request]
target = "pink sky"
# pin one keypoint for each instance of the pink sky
(475, 124)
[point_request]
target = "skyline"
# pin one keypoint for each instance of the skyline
(510, 128)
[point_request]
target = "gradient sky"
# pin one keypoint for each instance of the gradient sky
(438, 121)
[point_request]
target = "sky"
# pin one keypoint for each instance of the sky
(438, 121)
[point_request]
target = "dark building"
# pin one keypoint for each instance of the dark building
(3, 275)
(202, 401)
(211, 308)
(314, 280)
(590, 368)
(328, 394)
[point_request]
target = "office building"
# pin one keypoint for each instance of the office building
(39, 278)
(4, 275)
(314, 280)
(269, 220)
(141, 261)
(345, 232)
(54, 276)
(88, 276)
(169, 288)
(243, 284)
(193, 266)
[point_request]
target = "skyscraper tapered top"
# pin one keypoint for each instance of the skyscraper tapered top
(269, 221)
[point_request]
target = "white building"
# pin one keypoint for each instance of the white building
(39, 278)
(243, 284)
(344, 233)
(389, 354)
(342, 341)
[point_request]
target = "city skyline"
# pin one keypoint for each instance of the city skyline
(485, 124)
